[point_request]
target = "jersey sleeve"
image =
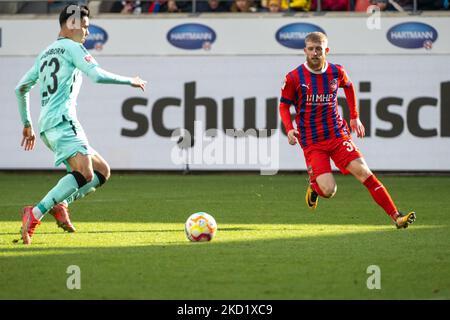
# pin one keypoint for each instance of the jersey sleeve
(351, 101)
(288, 91)
(84, 61)
(287, 99)
(344, 80)
(23, 93)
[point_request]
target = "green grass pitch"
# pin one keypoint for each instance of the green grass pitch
(130, 241)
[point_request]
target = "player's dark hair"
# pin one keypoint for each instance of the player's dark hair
(73, 9)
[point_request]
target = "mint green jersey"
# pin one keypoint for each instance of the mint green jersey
(58, 69)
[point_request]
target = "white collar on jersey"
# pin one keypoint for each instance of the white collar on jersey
(317, 72)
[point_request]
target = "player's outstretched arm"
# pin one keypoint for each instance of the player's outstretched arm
(138, 83)
(83, 60)
(99, 75)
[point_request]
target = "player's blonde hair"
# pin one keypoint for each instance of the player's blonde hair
(317, 36)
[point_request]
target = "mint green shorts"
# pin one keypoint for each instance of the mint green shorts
(66, 140)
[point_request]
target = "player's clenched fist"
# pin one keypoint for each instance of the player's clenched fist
(292, 136)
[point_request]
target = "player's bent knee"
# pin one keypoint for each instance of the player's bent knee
(79, 177)
(101, 177)
(89, 177)
(329, 190)
(104, 170)
(334, 192)
(107, 172)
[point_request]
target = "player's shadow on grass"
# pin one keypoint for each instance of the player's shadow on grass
(224, 229)
(313, 267)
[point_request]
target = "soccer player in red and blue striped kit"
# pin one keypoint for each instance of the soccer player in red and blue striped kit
(322, 133)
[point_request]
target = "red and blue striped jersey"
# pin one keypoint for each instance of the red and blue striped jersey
(314, 95)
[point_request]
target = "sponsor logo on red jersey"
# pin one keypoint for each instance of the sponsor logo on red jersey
(333, 85)
(320, 98)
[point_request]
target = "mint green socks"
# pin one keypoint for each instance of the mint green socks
(66, 187)
(84, 190)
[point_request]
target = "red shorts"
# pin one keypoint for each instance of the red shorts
(341, 150)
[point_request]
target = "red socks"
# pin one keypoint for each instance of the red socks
(381, 196)
(378, 192)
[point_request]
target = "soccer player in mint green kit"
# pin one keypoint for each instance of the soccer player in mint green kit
(58, 70)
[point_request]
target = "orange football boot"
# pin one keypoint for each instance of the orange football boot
(61, 214)
(29, 223)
